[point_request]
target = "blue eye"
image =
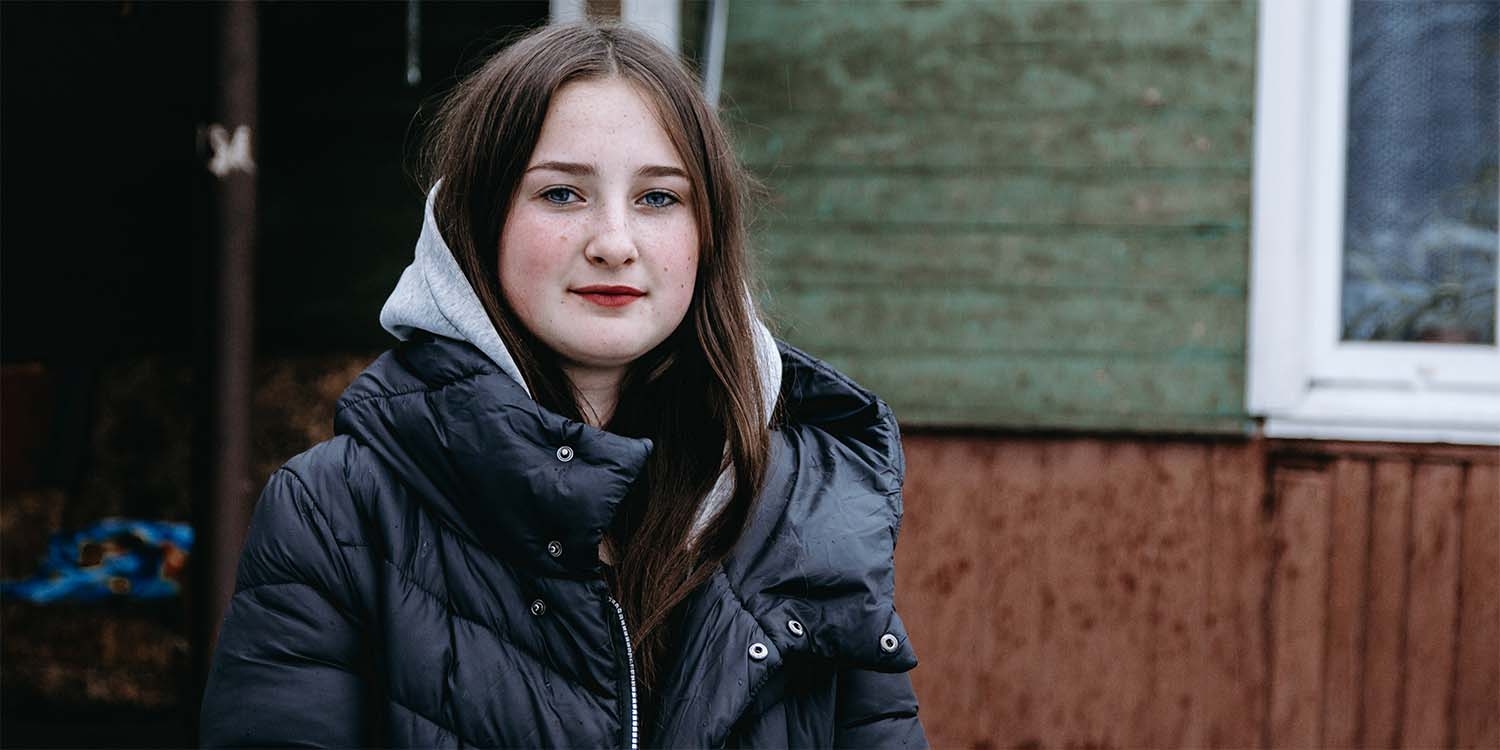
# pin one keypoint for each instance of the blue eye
(559, 195)
(658, 199)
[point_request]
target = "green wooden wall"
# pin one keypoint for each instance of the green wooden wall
(1025, 213)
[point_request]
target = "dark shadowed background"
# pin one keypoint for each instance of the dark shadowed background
(1039, 228)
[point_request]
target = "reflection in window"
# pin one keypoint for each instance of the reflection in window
(1420, 226)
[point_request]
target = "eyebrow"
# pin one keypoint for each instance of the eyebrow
(587, 170)
(657, 171)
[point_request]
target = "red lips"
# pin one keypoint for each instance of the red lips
(606, 295)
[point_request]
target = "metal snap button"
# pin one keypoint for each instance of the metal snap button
(795, 627)
(758, 651)
(888, 643)
(554, 548)
(538, 608)
(565, 453)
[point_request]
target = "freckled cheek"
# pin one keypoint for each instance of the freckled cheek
(532, 268)
(681, 276)
(678, 255)
(534, 250)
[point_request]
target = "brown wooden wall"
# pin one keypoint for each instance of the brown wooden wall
(1153, 593)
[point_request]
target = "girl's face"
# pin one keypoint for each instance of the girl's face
(599, 252)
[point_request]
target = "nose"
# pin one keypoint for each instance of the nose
(612, 244)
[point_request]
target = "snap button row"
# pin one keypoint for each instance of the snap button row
(538, 608)
(565, 454)
(888, 643)
(554, 548)
(758, 651)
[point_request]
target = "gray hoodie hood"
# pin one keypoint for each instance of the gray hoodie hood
(433, 295)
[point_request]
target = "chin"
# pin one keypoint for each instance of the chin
(606, 345)
(606, 356)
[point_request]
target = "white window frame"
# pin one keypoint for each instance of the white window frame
(1302, 379)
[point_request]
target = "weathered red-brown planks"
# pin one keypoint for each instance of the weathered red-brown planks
(1477, 703)
(1432, 605)
(940, 590)
(1178, 532)
(1385, 616)
(1010, 661)
(1348, 566)
(1088, 671)
(1113, 592)
(1300, 589)
(1092, 591)
(1234, 697)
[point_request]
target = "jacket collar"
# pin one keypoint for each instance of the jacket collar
(817, 552)
(820, 547)
(515, 477)
(482, 454)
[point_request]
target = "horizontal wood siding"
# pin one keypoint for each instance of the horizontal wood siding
(1021, 214)
(1087, 592)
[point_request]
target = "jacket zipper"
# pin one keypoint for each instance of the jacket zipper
(630, 663)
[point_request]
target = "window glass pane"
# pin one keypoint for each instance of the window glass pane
(1420, 239)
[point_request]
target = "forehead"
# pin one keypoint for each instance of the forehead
(604, 122)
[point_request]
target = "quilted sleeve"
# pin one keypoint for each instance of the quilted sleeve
(877, 710)
(286, 671)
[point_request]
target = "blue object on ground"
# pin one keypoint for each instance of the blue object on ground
(114, 558)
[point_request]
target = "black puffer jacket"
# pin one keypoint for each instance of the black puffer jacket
(429, 578)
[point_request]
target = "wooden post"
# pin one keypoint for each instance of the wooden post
(223, 506)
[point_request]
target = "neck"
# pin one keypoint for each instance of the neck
(598, 390)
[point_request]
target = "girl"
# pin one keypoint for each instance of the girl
(588, 501)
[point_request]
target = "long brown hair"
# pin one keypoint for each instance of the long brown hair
(697, 395)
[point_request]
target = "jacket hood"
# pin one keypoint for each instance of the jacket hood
(433, 295)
